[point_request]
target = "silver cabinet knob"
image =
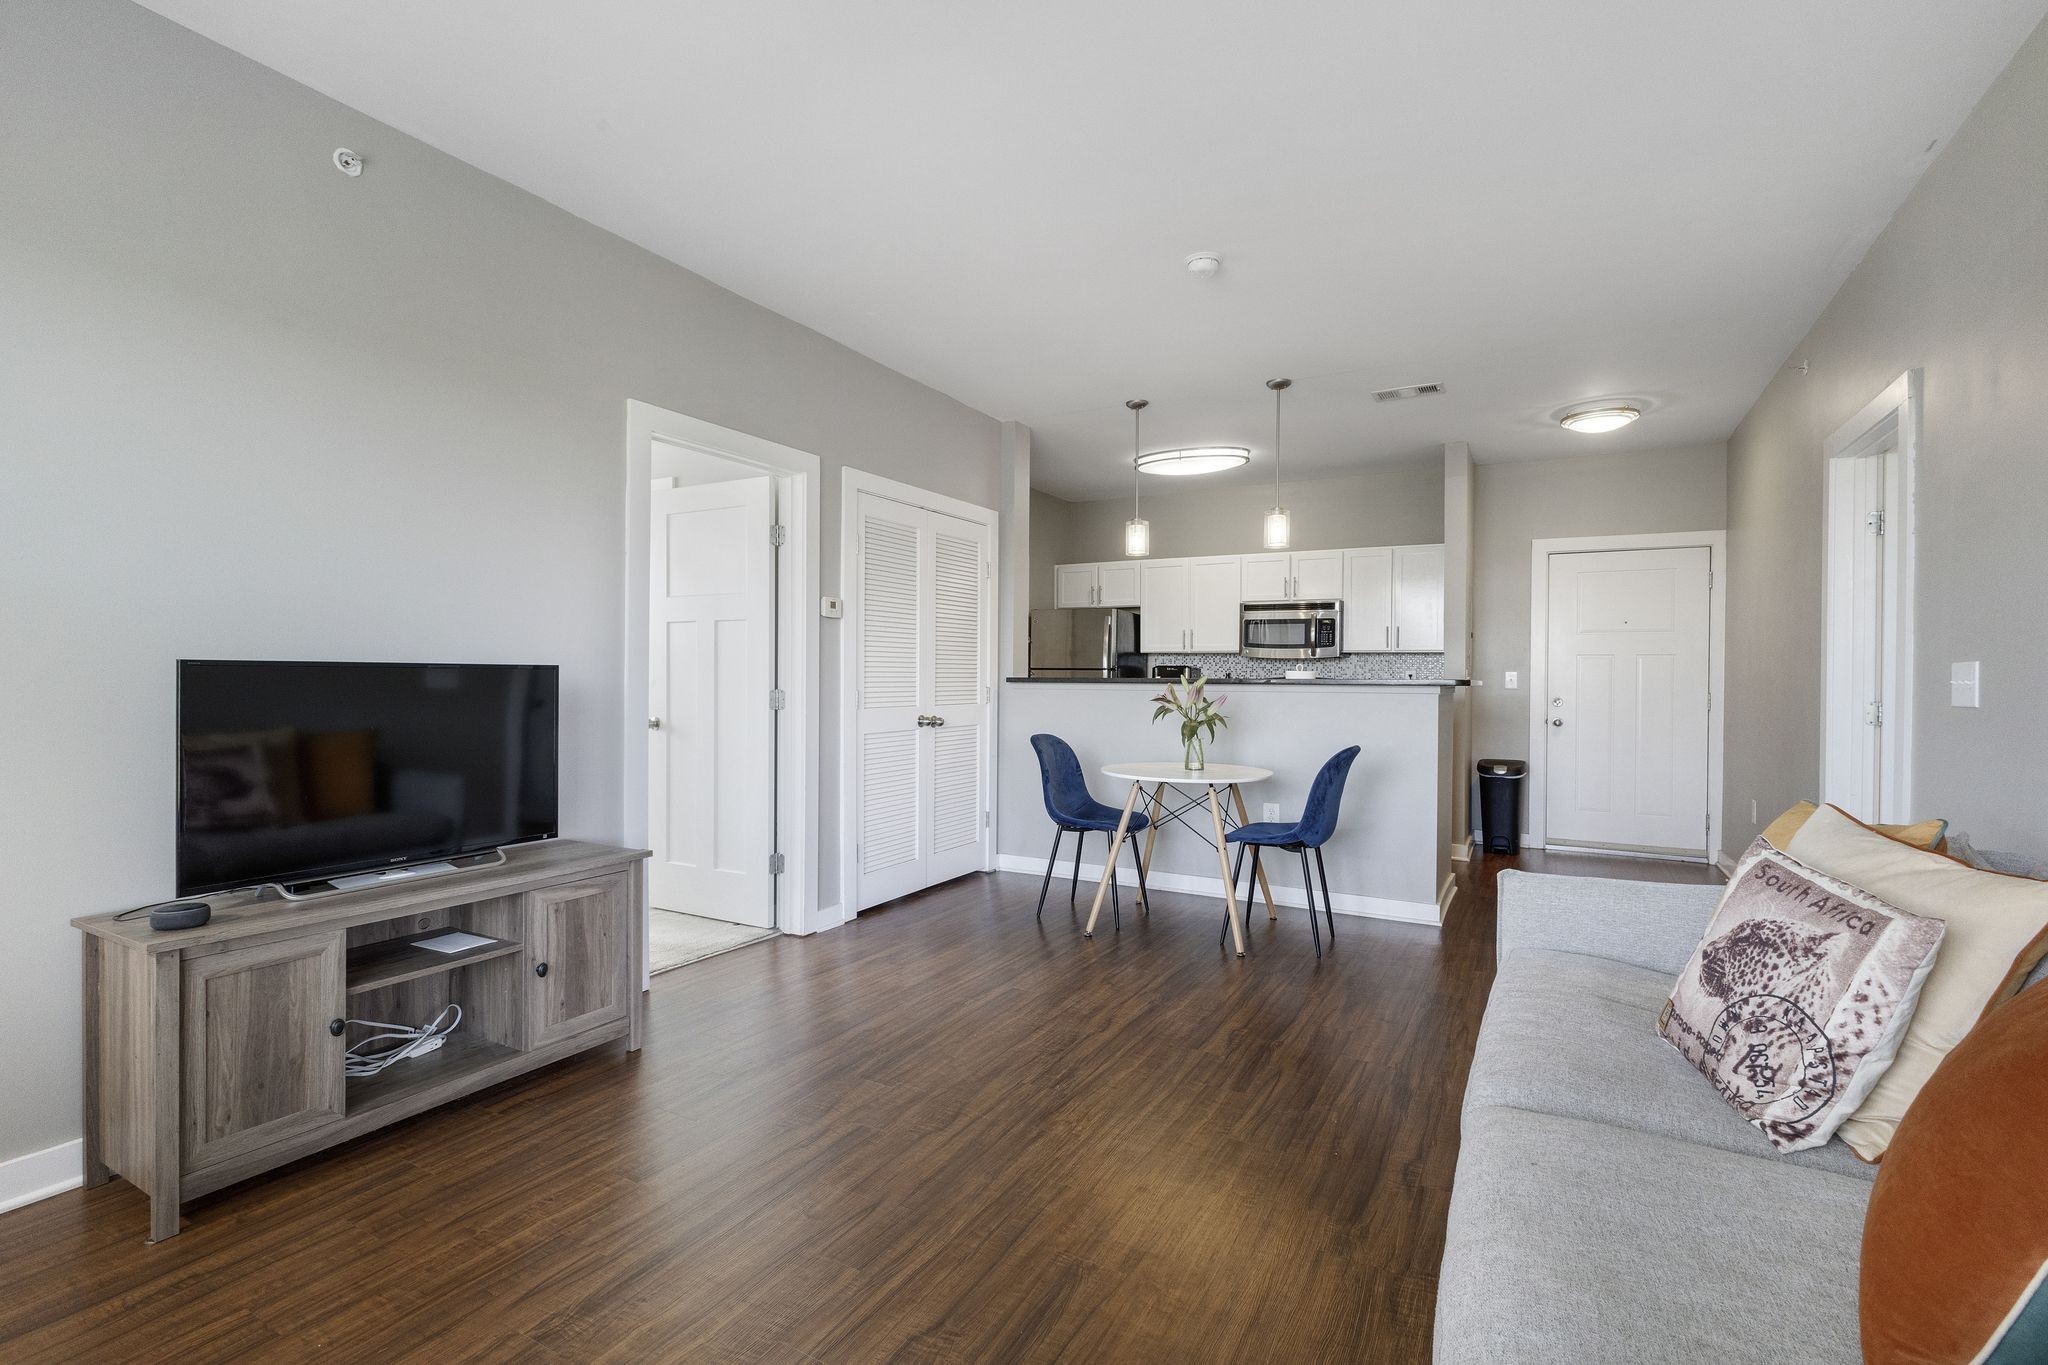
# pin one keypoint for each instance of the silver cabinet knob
(654, 722)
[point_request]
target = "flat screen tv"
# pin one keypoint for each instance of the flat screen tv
(300, 772)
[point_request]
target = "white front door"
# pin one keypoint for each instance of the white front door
(1626, 715)
(711, 665)
(1854, 772)
(923, 615)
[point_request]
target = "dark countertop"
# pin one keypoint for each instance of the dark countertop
(1221, 681)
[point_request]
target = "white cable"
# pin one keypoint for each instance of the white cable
(407, 1042)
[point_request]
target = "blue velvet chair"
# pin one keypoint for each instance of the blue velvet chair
(1308, 834)
(1074, 811)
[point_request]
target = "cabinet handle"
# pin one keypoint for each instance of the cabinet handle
(1397, 637)
(540, 969)
(337, 1027)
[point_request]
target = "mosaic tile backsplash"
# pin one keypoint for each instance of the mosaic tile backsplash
(1380, 666)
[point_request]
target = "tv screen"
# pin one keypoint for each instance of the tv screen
(297, 772)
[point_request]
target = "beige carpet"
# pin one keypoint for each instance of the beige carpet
(676, 940)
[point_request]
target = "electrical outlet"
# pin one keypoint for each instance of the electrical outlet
(1511, 681)
(1270, 811)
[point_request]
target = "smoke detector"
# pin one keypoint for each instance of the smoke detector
(1407, 391)
(1203, 265)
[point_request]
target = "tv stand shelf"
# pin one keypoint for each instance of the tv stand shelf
(215, 1054)
(393, 961)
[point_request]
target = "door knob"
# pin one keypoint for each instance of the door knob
(654, 722)
(937, 721)
(1559, 722)
(540, 969)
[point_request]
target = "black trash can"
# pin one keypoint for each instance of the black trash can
(1500, 803)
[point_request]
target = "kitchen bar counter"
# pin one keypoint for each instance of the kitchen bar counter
(1219, 681)
(1391, 857)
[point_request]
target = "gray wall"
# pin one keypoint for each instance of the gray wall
(1593, 495)
(1049, 521)
(250, 407)
(1956, 287)
(1394, 505)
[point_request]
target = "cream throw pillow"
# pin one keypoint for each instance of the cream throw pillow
(1997, 932)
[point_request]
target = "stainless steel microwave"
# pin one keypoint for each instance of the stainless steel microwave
(1291, 630)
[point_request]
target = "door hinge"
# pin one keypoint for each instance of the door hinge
(778, 535)
(1710, 830)
(1874, 714)
(986, 818)
(775, 864)
(1710, 578)
(1875, 521)
(777, 699)
(1710, 701)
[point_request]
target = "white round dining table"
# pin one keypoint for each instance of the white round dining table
(1212, 779)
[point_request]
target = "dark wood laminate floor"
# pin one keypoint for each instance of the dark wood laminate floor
(940, 1134)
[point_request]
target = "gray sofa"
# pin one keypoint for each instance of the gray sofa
(1609, 1207)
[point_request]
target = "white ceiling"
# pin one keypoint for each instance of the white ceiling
(1535, 203)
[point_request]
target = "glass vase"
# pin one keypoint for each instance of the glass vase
(1192, 759)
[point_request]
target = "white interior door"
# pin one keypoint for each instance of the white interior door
(711, 662)
(1853, 769)
(923, 613)
(1626, 718)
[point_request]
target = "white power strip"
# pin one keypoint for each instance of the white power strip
(396, 1042)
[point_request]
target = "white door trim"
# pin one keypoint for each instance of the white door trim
(854, 482)
(1540, 551)
(1893, 414)
(796, 779)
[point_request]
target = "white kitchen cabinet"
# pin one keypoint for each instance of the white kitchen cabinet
(1282, 577)
(1394, 599)
(1073, 585)
(1114, 584)
(1215, 592)
(1189, 606)
(1163, 603)
(1418, 597)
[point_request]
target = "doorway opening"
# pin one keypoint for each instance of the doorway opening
(721, 684)
(1867, 747)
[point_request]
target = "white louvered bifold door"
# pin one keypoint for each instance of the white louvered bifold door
(922, 598)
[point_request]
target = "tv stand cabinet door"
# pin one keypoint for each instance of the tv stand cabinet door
(262, 1061)
(579, 957)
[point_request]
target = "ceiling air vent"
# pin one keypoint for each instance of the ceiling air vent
(1411, 391)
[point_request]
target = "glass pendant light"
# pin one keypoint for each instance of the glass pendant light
(1137, 531)
(1278, 528)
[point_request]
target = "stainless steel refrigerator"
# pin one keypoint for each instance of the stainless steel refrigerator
(1085, 642)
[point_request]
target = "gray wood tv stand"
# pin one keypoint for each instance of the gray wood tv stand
(214, 1054)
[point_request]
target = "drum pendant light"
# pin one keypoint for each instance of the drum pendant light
(1278, 529)
(1137, 531)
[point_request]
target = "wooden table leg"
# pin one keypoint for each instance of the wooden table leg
(1152, 832)
(1116, 846)
(1229, 883)
(1265, 887)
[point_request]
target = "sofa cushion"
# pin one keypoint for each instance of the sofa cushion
(1586, 1243)
(1573, 1035)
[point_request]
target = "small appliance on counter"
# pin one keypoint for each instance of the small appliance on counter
(1085, 642)
(1174, 672)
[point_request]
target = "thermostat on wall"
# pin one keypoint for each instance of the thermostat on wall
(831, 608)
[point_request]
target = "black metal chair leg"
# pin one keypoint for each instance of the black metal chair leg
(1045, 885)
(1329, 917)
(1074, 882)
(1308, 890)
(1144, 895)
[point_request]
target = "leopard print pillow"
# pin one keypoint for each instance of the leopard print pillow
(1796, 1000)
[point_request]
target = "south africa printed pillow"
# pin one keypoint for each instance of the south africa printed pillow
(1797, 998)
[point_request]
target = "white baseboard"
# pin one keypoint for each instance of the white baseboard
(1368, 907)
(1445, 894)
(1461, 849)
(38, 1175)
(1725, 863)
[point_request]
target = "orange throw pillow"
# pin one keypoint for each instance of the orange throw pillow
(1955, 1246)
(338, 774)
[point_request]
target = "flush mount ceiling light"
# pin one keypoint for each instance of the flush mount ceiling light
(1278, 527)
(1203, 265)
(1596, 418)
(1193, 460)
(1137, 531)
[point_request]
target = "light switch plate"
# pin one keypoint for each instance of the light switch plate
(1511, 680)
(1962, 684)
